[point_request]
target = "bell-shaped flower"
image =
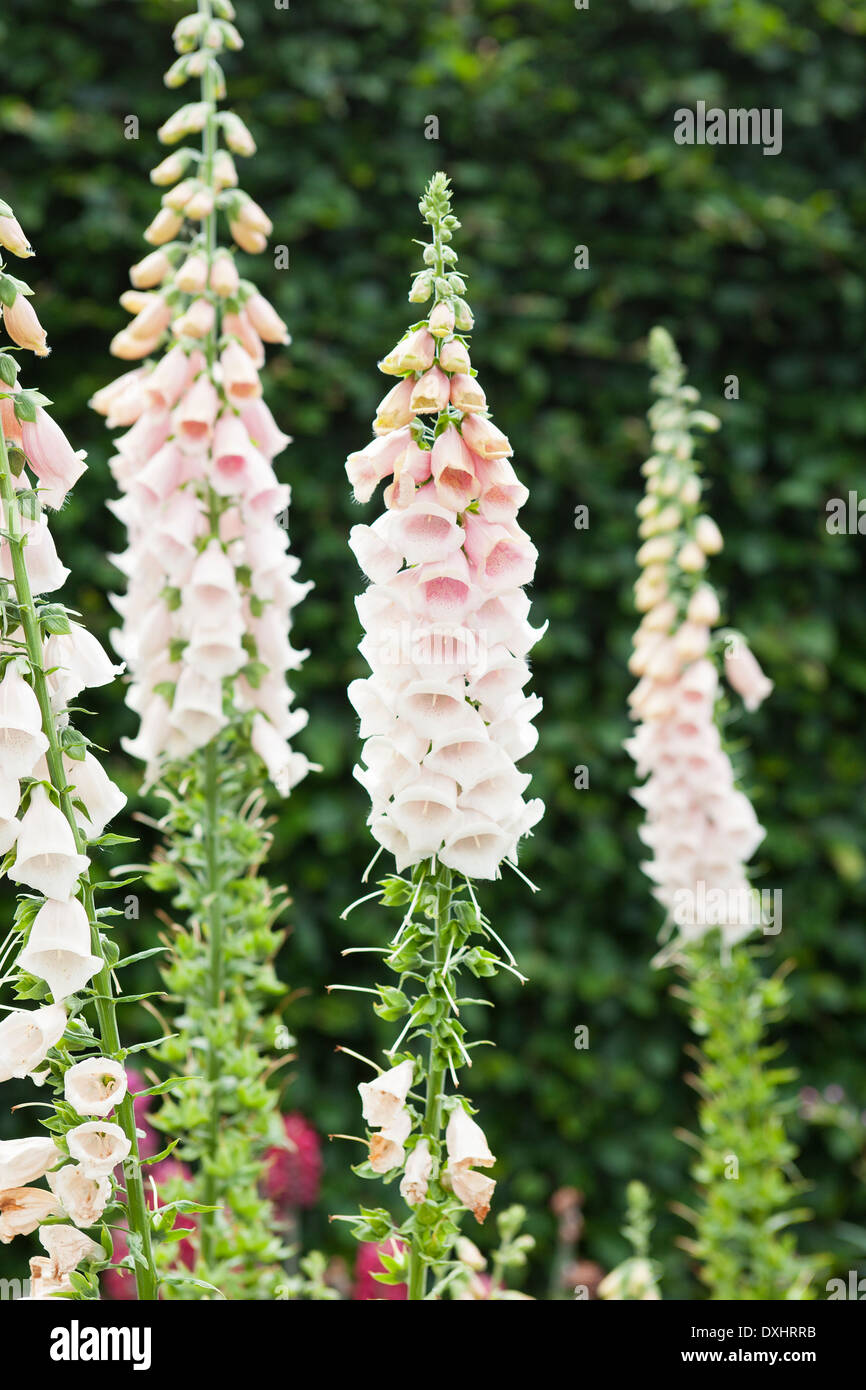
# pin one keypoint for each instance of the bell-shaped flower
(466, 394)
(425, 811)
(430, 392)
(372, 547)
(468, 1149)
(426, 531)
(453, 470)
(81, 664)
(67, 1247)
(94, 788)
(51, 457)
(484, 439)
(415, 1179)
(443, 590)
(198, 707)
(83, 1199)
(745, 676)
(58, 948)
(504, 556)
(98, 1145)
(382, 1099)
(22, 1209)
(22, 741)
(47, 858)
(24, 1160)
(386, 1147)
(94, 1086)
(475, 846)
(395, 409)
(437, 709)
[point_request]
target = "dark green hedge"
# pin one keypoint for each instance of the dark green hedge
(556, 126)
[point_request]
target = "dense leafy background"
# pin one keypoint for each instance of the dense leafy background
(556, 127)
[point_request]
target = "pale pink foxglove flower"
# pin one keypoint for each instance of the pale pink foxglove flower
(385, 1097)
(98, 1146)
(744, 674)
(83, 1199)
(22, 324)
(44, 1283)
(95, 1086)
(67, 1247)
(419, 1167)
(51, 457)
(22, 1209)
(699, 826)
(468, 1150)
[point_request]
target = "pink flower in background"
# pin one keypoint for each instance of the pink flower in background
(294, 1174)
(119, 1284)
(368, 1263)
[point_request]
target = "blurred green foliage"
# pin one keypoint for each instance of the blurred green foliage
(556, 126)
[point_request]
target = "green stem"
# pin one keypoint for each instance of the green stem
(215, 922)
(432, 1123)
(215, 983)
(138, 1216)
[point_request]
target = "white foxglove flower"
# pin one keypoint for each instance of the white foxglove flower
(22, 1209)
(26, 1038)
(467, 1150)
(67, 1247)
(419, 1166)
(24, 1160)
(95, 1086)
(22, 741)
(81, 664)
(386, 1146)
(58, 948)
(47, 858)
(385, 1097)
(44, 1283)
(93, 786)
(98, 1145)
(83, 1199)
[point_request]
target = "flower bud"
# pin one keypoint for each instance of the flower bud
(23, 326)
(237, 136)
(703, 606)
(192, 275)
(151, 270)
(225, 175)
(708, 535)
(441, 322)
(691, 558)
(224, 275)
(12, 237)
(170, 169)
(463, 319)
(189, 120)
(247, 238)
(201, 204)
(164, 227)
(179, 196)
(422, 288)
(454, 357)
